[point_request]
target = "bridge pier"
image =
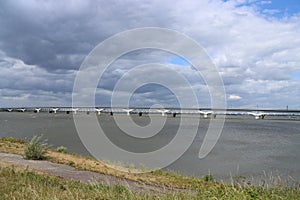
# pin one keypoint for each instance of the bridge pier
(99, 110)
(128, 111)
(37, 110)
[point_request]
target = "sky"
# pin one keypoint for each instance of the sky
(255, 46)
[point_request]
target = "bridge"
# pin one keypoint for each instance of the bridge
(171, 111)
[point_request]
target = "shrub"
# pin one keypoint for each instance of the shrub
(208, 177)
(35, 149)
(62, 149)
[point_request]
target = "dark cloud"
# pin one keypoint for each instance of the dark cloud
(58, 35)
(43, 43)
(39, 36)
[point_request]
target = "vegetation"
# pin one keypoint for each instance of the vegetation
(208, 177)
(25, 184)
(20, 183)
(62, 149)
(36, 149)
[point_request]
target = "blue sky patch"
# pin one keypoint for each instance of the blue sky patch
(280, 8)
(176, 60)
(295, 75)
(275, 8)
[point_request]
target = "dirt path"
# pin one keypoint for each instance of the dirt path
(70, 173)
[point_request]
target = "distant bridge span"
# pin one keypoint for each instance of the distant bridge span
(204, 112)
(132, 108)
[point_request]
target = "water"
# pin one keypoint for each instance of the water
(247, 147)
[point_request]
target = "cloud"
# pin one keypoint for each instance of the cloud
(234, 97)
(30, 85)
(42, 45)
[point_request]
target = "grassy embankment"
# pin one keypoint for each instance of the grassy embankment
(19, 183)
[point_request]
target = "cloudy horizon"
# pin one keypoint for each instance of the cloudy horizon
(255, 46)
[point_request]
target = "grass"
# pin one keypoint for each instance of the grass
(25, 184)
(36, 149)
(62, 149)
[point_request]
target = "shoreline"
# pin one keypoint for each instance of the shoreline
(67, 166)
(246, 147)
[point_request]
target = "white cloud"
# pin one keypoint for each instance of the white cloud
(265, 2)
(234, 97)
(30, 85)
(255, 52)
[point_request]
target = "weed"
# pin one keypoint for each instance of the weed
(208, 177)
(35, 149)
(62, 149)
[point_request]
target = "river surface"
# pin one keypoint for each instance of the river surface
(247, 147)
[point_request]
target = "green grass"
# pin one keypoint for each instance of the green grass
(24, 184)
(62, 149)
(36, 149)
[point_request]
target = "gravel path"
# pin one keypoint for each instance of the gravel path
(68, 172)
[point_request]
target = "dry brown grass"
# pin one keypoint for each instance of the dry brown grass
(157, 178)
(26, 185)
